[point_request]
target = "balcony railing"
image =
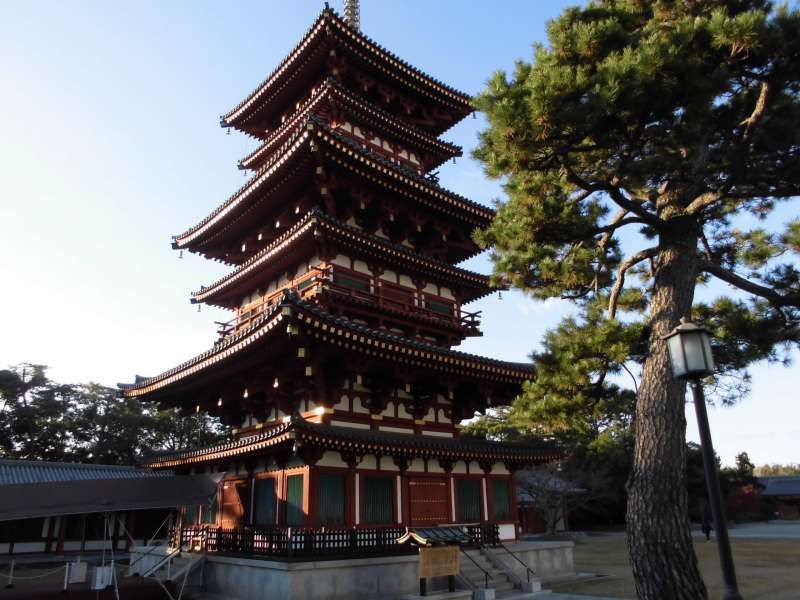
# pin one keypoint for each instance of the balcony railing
(345, 283)
(298, 543)
(293, 542)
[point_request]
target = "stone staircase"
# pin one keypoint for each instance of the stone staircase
(503, 585)
(179, 574)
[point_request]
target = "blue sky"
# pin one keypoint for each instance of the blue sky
(111, 144)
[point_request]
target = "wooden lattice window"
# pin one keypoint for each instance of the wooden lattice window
(440, 307)
(378, 499)
(294, 500)
(469, 500)
(501, 499)
(265, 501)
(351, 281)
(330, 499)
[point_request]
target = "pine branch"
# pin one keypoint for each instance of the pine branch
(757, 113)
(776, 299)
(620, 282)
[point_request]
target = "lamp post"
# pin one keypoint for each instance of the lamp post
(689, 348)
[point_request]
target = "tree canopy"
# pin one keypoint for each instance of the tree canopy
(646, 150)
(44, 420)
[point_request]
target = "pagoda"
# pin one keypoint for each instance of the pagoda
(337, 373)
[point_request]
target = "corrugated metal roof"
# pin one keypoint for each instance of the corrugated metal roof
(13, 472)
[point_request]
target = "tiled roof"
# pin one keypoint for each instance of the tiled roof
(302, 432)
(328, 23)
(371, 244)
(353, 336)
(787, 485)
(371, 114)
(34, 471)
(343, 150)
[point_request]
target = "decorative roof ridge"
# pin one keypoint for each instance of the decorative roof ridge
(330, 85)
(293, 298)
(315, 216)
(328, 14)
(280, 428)
(297, 426)
(303, 133)
(405, 439)
(223, 344)
(291, 145)
(403, 170)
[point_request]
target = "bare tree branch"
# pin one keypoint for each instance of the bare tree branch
(775, 298)
(757, 113)
(703, 200)
(620, 282)
(616, 195)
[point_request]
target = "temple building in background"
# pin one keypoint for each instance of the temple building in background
(337, 373)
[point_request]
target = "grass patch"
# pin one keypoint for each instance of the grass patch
(765, 568)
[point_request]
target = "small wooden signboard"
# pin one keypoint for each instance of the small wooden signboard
(438, 561)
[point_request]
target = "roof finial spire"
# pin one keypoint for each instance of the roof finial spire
(352, 14)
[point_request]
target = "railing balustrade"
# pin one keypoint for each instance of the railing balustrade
(293, 542)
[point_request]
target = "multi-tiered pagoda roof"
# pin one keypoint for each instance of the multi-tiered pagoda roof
(343, 250)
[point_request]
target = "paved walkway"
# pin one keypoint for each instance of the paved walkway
(769, 530)
(555, 596)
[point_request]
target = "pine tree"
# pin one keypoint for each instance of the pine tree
(635, 149)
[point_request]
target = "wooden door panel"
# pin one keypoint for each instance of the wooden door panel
(232, 505)
(429, 499)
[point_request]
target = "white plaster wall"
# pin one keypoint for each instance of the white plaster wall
(499, 469)
(417, 466)
(434, 466)
(331, 458)
(395, 429)
(445, 434)
(349, 424)
(460, 468)
(368, 462)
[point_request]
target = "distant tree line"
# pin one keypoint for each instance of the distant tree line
(774, 470)
(600, 462)
(41, 419)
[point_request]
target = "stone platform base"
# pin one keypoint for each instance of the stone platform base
(459, 595)
(384, 578)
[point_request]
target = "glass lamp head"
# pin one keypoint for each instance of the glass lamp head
(689, 348)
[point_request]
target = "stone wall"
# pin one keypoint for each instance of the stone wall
(549, 561)
(365, 578)
(384, 578)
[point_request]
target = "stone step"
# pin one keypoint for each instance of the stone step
(501, 586)
(517, 595)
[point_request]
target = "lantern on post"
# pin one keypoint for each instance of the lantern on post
(689, 347)
(690, 351)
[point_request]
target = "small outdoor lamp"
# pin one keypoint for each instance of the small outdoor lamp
(690, 351)
(689, 347)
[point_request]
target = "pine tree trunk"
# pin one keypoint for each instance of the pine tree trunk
(659, 540)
